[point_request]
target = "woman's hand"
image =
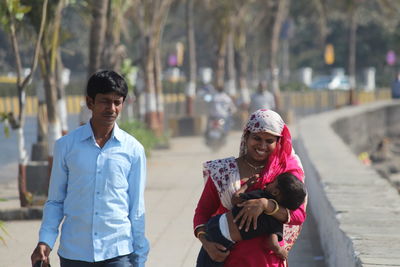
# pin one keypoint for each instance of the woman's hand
(217, 252)
(251, 209)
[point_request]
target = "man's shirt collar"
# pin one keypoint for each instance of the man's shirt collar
(87, 132)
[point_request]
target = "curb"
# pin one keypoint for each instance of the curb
(31, 213)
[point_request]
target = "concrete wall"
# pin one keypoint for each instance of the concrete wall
(367, 127)
(357, 211)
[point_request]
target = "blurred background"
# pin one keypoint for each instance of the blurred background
(314, 55)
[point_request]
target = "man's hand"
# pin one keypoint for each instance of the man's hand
(41, 253)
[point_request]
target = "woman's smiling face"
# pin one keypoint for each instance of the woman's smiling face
(260, 146)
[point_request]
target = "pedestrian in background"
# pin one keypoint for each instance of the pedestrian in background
(396, 87)
(97, 187)
(262, 98)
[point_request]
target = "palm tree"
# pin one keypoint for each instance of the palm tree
(114, 50)
(97, 34)
(220, 16)
(150, 17)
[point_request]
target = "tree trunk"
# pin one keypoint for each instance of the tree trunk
(151, 117)
(352, 49)
(150, 19)
(231, 90)
(241, 62)
(61, 103)
(50, 89)
(279, 19)
(54, 126)
(255, 65)
(191, 43)
(19, 126)
(352, 52)
(159, 93)
(220, 64)
(24, 195)
(285, 60)
(42, 113)
(323, 30)
(97, 34)
(50, 55)
(114, 52)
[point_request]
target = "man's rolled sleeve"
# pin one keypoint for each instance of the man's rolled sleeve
(53, 211)
(137, 182)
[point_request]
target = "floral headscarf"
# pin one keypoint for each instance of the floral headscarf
(283, 158)
(224, 172)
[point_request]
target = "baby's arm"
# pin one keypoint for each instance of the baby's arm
(273, 244)
(236, 196)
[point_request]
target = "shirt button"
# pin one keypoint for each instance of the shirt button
(96, 213)
(95, 233)
(98, 193)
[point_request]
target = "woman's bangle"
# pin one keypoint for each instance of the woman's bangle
(276, 208)
(199, 233)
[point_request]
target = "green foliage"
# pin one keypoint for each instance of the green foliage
(4, 118)
(294, 87)
(130, 72)
(139, 130)
(12, 8)
(3, 231)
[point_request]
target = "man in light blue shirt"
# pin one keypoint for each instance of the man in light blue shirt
(97, 188)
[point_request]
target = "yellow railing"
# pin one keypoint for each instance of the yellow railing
(10, 104)
(320, 99)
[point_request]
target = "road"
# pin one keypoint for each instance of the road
(9, 153)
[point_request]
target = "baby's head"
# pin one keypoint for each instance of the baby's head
(289, 191)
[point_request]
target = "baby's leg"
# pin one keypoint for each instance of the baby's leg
(273, 244)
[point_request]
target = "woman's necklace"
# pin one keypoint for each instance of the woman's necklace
(252, 166)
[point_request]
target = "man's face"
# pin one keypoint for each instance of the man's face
(105, 108)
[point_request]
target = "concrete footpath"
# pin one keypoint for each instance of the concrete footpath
(173, 188)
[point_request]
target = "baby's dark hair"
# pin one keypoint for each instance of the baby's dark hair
(292, 189)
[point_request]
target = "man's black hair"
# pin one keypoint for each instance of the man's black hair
(292, 189)
(104, 82)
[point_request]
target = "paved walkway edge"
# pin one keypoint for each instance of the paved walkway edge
(357, 212)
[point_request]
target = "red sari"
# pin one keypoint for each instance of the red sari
(246, 253)
(222, 179)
